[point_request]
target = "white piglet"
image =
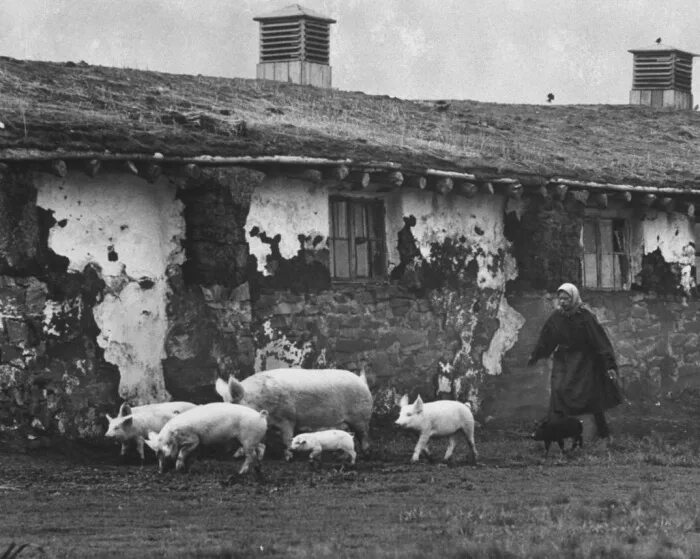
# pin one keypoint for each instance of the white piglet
(132, 425)
(329, 439)
(217, 424)
(442, 418)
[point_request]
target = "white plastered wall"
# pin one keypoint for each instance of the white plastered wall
(669, 232)
(479, 220)
(290, 208)
(141, 225)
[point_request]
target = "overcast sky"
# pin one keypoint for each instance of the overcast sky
(506, 51)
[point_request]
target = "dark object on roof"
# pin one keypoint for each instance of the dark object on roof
(550, 97)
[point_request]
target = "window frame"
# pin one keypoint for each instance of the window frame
(696, 242)
(377, 254)
(597, 219)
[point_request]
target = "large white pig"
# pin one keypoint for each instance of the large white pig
(305, 400)
(217, 424)
(442, 418)
(132, 425)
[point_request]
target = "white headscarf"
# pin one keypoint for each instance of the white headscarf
(571, 290)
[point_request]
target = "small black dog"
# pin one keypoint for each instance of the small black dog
(557, 428)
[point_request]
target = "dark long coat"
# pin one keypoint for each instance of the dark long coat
(582, 356)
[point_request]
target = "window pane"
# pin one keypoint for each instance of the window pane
(590, 270)
(589, 243)
(606, 271)
(606, 236)
(361, 259)
(617, 273)
(339, 225)
(341, 261)
(619, 242)
(359, 222)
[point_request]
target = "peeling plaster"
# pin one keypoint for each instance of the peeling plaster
(279, 352)
(53, 322)
(670, 233)
(128, 230)
(479, 220)
(510, 322)
(289, 208)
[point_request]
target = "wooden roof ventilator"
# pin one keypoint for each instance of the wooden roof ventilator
(662, 77)
(295, 47)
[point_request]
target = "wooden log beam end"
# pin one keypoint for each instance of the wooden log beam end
(466, 189)
(92, 167)
(59, 168)
(581, 196)
(152, 172)
(360, 180)
(559, 191)
(416, 181)
(601, 200)
(543, 192)
(192, 171)
(514, 191)
(396, 178)
(667, 204)
(338, 173)
(312, 175)
(444, 185)
(648, 200)
(487, 188)
(131, 167)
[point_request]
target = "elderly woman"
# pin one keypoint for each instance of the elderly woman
(584, 368)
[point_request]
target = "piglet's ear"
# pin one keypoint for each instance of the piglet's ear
(128, 420)
(125, 409)
(418, 405)
(404, 400)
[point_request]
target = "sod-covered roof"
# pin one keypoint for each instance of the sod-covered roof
(49, 108)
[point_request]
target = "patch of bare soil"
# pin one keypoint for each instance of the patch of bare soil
(633, 499)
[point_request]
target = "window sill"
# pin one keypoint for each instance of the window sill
(360, 281)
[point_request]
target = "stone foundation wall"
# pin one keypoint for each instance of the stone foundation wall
(396, 337)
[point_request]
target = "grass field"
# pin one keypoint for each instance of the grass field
(637, 498)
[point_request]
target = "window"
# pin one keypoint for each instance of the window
(605, 254)
(357, 238)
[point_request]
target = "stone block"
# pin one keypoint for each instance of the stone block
(16, 331)
(388, 339)
(410, 339)
(241, 293)
(640, 312)
(352, 345)
(365, 298)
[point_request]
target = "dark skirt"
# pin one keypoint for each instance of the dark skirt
(580, 384)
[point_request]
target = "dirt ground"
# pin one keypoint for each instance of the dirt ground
(636, 498)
